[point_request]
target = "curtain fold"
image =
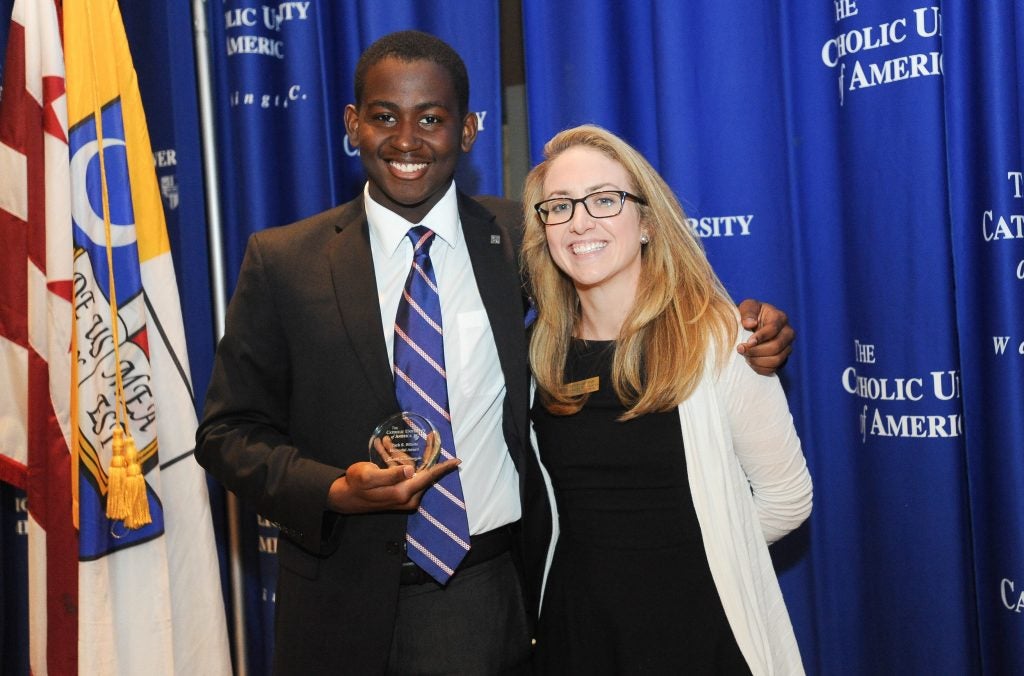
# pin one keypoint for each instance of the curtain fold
(984, 108)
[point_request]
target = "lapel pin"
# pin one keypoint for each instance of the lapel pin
(495, 239)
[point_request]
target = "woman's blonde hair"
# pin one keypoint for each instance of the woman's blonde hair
(681, 308)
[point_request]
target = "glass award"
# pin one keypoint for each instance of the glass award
(405, 439)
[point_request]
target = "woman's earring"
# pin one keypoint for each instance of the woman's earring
(644, 237)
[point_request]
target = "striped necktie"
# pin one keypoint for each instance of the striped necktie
(437, 535)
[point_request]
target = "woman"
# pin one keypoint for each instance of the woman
(673, 463)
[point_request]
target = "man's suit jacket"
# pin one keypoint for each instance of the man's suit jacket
(300, 380)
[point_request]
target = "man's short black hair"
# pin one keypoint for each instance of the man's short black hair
(416, 46)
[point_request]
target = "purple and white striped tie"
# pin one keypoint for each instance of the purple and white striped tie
(437, 535)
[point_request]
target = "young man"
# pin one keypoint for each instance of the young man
(304, 373)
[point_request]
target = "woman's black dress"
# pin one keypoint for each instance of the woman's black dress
(630, 590)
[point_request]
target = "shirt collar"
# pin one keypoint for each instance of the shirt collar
(388, 229)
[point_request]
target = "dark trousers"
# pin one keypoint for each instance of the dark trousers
(477, 624)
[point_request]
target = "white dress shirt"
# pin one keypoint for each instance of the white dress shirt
(476, 385)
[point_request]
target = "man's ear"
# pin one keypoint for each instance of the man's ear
(352, 124)
(469, 129)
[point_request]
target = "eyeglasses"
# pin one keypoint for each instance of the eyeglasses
(604, 204)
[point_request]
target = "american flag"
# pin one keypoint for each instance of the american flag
(35, 324)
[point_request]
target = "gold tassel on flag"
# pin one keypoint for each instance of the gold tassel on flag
(136, 499)
(117, 506)
(126, 491)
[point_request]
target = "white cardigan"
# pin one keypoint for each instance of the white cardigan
(750, 487)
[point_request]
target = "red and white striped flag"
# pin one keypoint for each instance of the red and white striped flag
(35, 325)
(91, 339)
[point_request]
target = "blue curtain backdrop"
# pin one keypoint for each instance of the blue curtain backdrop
(13, 581)
(872, 188)
(282, 77)
(985, 164)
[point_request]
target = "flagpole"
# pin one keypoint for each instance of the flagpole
(201, 36)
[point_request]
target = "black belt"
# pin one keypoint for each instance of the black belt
(483, 547)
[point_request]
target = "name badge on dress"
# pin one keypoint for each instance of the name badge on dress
(583, 386)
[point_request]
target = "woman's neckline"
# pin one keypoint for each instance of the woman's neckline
(577, 339)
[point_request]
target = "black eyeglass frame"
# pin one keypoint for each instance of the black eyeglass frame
(623, 195)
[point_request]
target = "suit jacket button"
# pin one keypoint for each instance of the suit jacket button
(393, 547)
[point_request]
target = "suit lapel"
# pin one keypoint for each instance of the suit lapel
(355, 290)
(497, 279)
